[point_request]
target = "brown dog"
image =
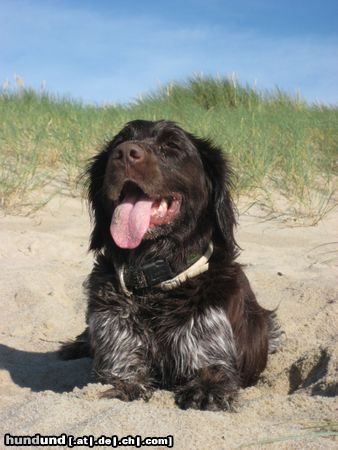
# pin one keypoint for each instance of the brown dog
(168, 306)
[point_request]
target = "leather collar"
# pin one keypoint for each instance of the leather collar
(159, 274)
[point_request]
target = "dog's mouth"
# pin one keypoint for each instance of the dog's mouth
(137, 212)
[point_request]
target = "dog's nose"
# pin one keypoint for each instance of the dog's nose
(130, 152)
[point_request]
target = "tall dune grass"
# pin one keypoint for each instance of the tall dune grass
(280, 146)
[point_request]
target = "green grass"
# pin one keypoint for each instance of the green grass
(280, 146)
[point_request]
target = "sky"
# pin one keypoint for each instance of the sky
(104, 51)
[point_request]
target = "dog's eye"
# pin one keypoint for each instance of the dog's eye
(170, 150)
(173, 145)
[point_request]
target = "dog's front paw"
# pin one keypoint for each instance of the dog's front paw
(196, 396)
(127, 392)
(212, 389)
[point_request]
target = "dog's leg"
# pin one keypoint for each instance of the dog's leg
(79, 348)
(206, 356)
(256, 331)
(120, 355)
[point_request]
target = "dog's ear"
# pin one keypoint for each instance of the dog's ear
(101, 221)
(219, 175)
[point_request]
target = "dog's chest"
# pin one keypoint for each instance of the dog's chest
(181, 338)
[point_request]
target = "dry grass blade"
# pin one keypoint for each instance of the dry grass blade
(291, 437)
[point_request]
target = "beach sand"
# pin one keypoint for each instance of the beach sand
(44, 262)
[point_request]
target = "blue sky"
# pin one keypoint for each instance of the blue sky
(114, 51)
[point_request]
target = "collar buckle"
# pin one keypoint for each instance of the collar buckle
(157, 271)
(151, 274)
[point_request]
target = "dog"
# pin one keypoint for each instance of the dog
(168, 305)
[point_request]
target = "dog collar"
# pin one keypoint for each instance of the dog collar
(159, 274)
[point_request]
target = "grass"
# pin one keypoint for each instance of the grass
(317, 430)
(284, 150)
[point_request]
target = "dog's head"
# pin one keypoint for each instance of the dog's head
(155, 180)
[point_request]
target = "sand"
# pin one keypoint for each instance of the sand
(44, 262)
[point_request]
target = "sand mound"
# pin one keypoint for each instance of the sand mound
(44, 261)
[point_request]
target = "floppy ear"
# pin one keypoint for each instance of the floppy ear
(219, 174)
(101, 221)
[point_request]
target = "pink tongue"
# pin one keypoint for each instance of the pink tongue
(130, 221)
